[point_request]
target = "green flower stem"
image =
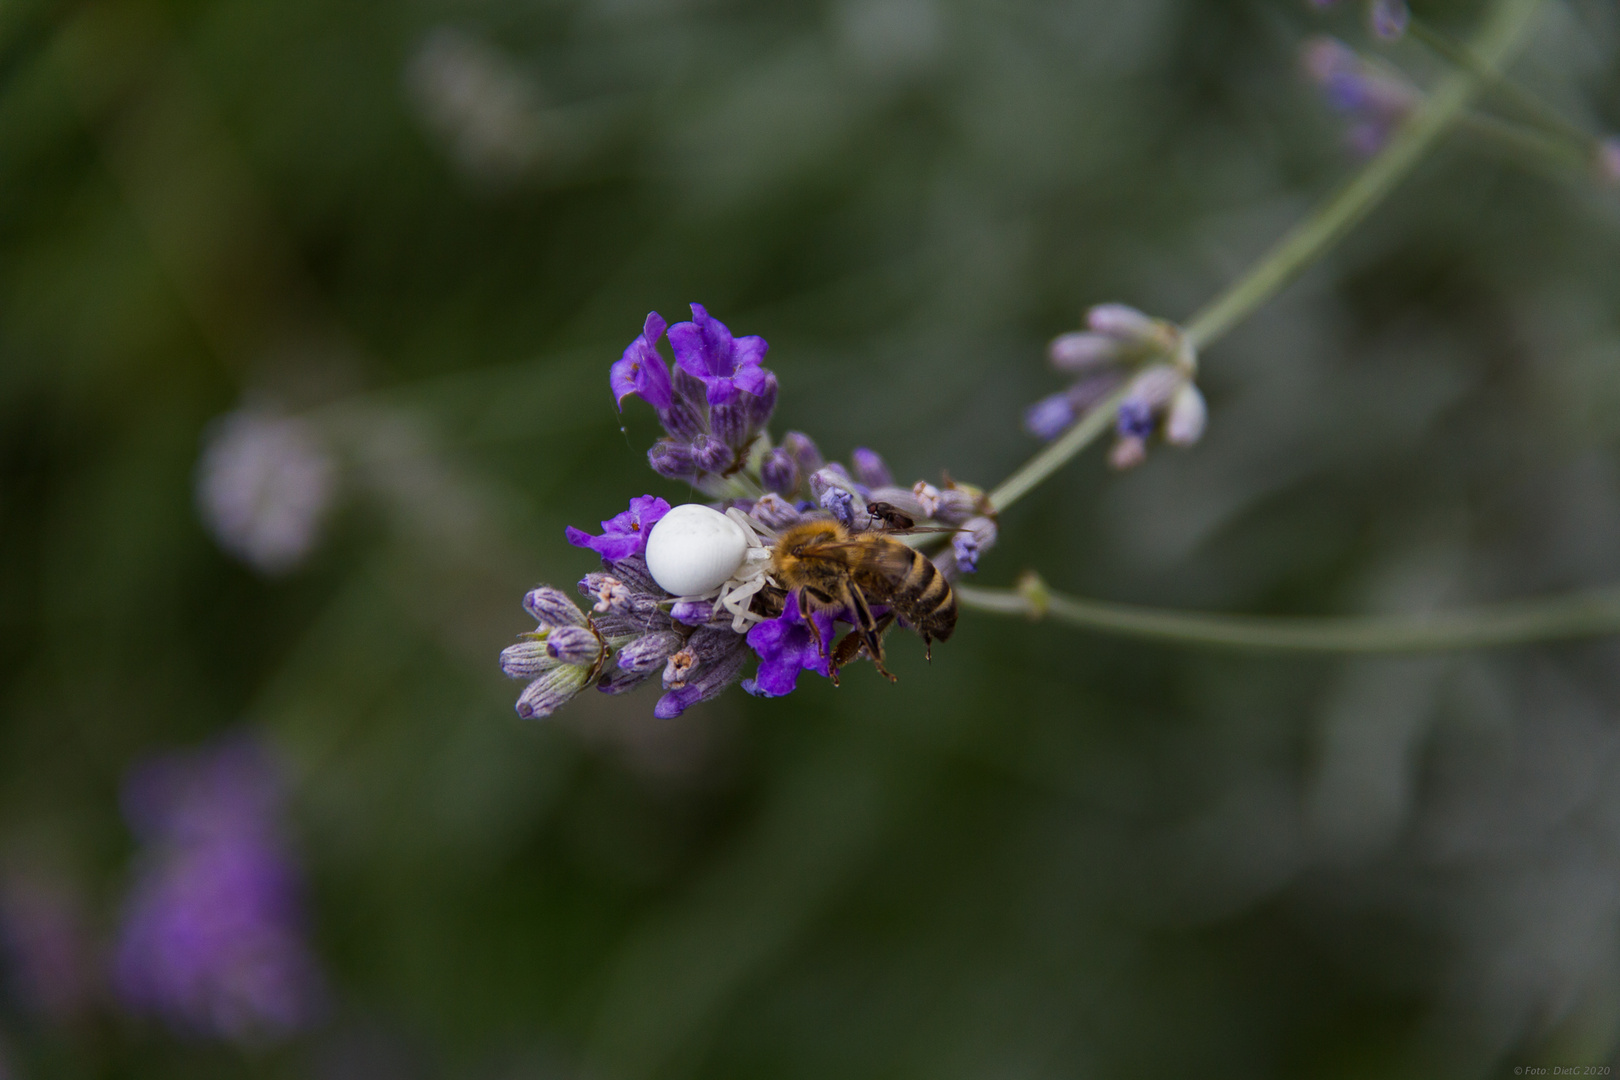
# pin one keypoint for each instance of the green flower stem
(1307, 241)
(1057, 453)
(1506, 90)
(1585, 614)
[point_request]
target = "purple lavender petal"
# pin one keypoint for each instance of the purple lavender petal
(1049, 417)
(780, 472)
(705, 349)
(624, 534)
(641, 371)
(785, 648)
(1135, 419)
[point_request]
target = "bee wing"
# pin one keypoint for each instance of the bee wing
(891, 561)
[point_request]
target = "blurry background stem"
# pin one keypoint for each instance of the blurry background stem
(1585, 614)
(1310, 239)
(1505, 90)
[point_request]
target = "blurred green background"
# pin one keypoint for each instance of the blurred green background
(429, 227)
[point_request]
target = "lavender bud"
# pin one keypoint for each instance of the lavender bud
(648, 652)
(775, 512)
(672, 460)
(1085, 393)
(553, 607)
(1049, 417)
(780, 472)
(617, 682)
(1136, 420)
(695, 612)
(969, 545)
(1389, 18)
(1082, 351)
(870, 469)
(840, 503)
(804, 452)
(709, 643)
(551, 691)
(1157, 384)
(957, 505)
(1122, 323)
(711, 455)
(1184, 423)
(574, 645)
(526, 659)
(632, 570)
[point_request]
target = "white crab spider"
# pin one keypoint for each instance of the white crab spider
(698, 553)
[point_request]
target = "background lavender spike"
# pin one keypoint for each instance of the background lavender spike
(212, 939)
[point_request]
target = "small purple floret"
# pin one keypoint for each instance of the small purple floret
(1049, 417)
(623, 534)
(785, 648)
(1135, 419)
(705, 349)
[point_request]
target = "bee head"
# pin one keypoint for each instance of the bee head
(792, 544)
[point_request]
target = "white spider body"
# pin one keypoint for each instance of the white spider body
(698, 553)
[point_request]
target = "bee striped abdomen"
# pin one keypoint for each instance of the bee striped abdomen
(920, 594)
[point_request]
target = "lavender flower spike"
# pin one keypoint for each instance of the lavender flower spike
(623, 535)
(705, 349)
(870, 469)
(213, 938)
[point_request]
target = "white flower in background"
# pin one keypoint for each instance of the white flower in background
(264, 485)
(478, 103)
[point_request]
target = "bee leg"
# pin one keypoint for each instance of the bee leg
(928, 648)
(870, 630)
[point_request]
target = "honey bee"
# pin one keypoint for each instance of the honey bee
(834, 569)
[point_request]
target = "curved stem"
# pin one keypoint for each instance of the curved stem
(1585, 614)
(1308, 240)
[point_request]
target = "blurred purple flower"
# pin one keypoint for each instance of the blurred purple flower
(213, 938)
(1374, 99)
(625, 534)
